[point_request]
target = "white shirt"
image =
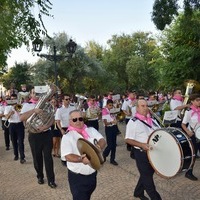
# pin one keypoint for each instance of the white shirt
(13, 118)
(175, 103)
(2, 109)
(126, 106)
(62, 114)
(137, 130)
(192, 120)
(27, 106)
(109, 117)
(69, 146)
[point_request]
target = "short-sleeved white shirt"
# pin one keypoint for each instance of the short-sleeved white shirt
(27, 106)
(13, 118)
(190, 119)
(2, 109)
(175, 103)
(69, 146)
(62, 114)
(126, 106)
(137, 130)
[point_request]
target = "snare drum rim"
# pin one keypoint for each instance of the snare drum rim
(180, 150)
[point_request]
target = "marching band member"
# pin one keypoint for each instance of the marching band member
(62, 117)
(5, 124)
(137, 132)
(23, 95)
(81, 176)
(41, 142)
(190, 120)
(111, 131)
(55, 132)
(127, 107)
(16, 130)
(176, 103)
(92, 113)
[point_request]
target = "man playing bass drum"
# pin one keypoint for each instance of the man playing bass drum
(138, 130)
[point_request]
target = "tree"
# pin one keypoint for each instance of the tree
(130, 55)
(181, 50)
(18, 74)
(18, 24)
(164, 11)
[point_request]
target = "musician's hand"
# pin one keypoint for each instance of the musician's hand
(146, 146)
(41, 128)
(37, 110)
(190, 133)
(85, 160)
(63, 132)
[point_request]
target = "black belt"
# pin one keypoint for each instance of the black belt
(82, 174)
(141, 150)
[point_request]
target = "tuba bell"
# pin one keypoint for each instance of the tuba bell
(44, 118)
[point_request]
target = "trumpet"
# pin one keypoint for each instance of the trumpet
(18, 107)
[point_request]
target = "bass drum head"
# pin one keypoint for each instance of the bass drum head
(165, 157)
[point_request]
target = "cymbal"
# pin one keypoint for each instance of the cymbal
(92, 153)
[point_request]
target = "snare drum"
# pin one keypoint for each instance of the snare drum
(172, 151)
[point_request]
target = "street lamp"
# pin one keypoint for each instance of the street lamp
(71, 48)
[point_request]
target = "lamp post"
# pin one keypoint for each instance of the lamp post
(71, 48)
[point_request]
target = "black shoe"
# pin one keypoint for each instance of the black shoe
(64, 163)
(22, 161)
(191, 177)
(104, 158)
(52, 185)
(40, 181)
(142, 197)
(113, 162)
(7, 148)
(16, 158)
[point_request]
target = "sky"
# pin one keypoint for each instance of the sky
(88, 20)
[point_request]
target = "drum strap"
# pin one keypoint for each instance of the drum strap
(146, 123)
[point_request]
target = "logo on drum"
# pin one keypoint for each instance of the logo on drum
(156, 138)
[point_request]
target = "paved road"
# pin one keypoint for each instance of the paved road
(18, 181)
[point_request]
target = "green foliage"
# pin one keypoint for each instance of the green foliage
(181, 49)
(18, 24)
(19, 74)
(164, 11)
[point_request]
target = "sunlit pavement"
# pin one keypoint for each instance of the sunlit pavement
(18, 181)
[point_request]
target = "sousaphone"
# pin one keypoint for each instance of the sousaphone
(92, 152)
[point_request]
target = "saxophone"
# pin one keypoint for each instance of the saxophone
(36, 120)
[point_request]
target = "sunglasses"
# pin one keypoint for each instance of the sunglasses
(80, 119)
(67, 99)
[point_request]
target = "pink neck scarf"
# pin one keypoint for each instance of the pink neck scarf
(105, 111)
(81, 131)
(147, 118)
(33, 101)
(132, 99)
(178, 97)
(90, 105)
(195, 110)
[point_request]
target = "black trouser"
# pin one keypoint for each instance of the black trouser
(82, 186)
(17, 137)
(93, 123)
(41, 147)
(6, 134)
(111, 138)
(145, 181)
(193, 140)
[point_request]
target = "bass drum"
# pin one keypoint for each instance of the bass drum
(172, 152)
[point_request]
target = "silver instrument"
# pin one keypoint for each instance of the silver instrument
(45, 117)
